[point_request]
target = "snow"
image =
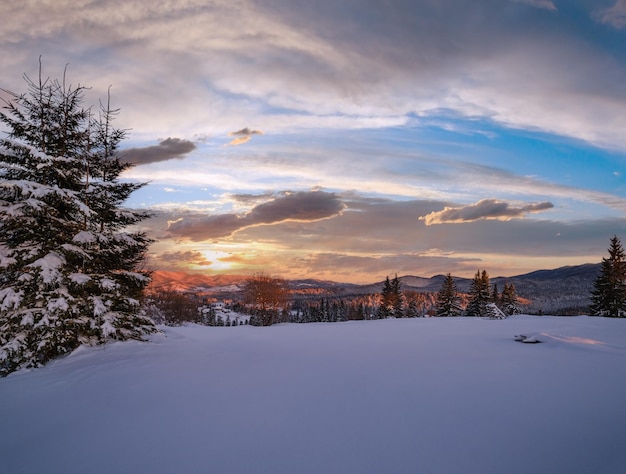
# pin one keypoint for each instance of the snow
(426, 395)
(57, 304)
(79, 278)
(108, 284)
(5, 259)
(9, 298)
(99, 307)
(85, 237)
(49, 265)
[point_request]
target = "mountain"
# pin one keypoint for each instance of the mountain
(163, 280)
(585, 271)
(563, 290)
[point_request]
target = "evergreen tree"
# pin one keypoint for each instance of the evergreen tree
(385, 309)
(495, 295)
(479, 294)
(397, 297)
(608, 296)
(447, 303)
(391, 300)
(508, 300)
(412, 311)
(493, 312)
(69, 268)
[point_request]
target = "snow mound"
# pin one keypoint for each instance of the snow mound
(532, 339)
(536, 338)
(423, 395)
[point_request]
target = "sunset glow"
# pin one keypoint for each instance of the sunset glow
(353, 140)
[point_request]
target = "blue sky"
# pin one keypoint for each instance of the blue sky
(358, 139)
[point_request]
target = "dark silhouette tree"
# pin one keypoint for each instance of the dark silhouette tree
(391, 299)
(398, 297)
(608, 296)
(385, 308)
(495, 295)
(447, 302)
(479, 295)
(508, 300)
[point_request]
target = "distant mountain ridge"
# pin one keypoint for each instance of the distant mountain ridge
(564, 289)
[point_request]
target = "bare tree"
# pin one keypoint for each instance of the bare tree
(267, 294)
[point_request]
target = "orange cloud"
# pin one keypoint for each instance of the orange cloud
(243, 136)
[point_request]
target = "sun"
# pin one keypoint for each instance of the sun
(215, 260)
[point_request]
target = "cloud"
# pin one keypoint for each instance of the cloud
(186, 257)
(168, 149)
(303, 206)
(503, 65)
(614, 16)
(485, 209)
(378, 236)
(547, 4)
(242, 136)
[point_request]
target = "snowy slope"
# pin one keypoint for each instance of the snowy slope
(448, 395)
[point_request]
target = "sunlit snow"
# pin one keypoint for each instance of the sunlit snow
(426, 395)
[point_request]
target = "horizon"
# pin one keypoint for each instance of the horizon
(315, 140)
(201, 273)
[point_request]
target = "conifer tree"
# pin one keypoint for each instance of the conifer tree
(411, 311)
(447, 303)
(508, 300)
(69, 266)
(479, 294)
(608, 296)
(495, 295)
(391, 299)
(385, 309)
(397, 297)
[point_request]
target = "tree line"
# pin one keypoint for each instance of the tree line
(266, 299)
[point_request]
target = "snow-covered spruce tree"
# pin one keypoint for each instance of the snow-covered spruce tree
(447, 303)
(479, 295)
(608, 296)
(508, 300)
(68, 267)
(493, 312)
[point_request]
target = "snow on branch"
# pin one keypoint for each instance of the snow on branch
(85, 237)
(49, 265)
(9, 298)
(79, 278)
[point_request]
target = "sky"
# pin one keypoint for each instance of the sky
(353, 140)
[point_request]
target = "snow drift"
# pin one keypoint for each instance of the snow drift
(440, 395)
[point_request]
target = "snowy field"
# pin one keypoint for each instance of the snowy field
(455, 395)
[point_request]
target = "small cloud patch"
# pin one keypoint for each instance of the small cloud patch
(546, 4)
(486, 209)
(168, 149)
(243, 136)
(614, 16)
